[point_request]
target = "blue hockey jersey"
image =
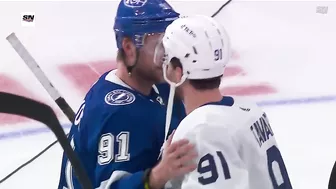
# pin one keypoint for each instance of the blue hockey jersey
(118, 133)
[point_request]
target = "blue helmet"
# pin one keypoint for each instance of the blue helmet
(136, 18)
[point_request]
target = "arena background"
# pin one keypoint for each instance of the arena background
(283, 58)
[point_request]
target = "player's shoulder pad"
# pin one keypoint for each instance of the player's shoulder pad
(108, 95)
(117, 93)
(188, 129)
(119, 97)
(247, 106)
(243, 102)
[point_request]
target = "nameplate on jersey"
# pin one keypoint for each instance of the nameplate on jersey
(119, 97)
(262, 130)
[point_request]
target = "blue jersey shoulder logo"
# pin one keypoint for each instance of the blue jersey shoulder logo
(134, 3)
(119, 97)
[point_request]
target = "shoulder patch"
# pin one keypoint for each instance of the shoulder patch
(119, 97)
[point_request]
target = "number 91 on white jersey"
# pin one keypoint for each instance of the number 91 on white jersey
(237, 150)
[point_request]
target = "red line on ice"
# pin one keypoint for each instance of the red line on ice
(249, 90)
(10, 85)
(84, 75)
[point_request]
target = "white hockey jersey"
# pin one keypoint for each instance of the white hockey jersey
(236, 148)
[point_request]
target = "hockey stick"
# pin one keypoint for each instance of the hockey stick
(13, 104)
(60, 101)
(37, 71)
(332, 179)
(220, 8)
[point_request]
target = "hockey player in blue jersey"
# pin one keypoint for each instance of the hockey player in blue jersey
(119, 128)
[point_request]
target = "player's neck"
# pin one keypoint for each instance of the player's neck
(138, 84)
(194, 99)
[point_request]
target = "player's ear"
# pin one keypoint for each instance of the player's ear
(129, 51)
(178, 70)
(179, 73)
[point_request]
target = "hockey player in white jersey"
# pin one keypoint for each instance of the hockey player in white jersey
(233, 138)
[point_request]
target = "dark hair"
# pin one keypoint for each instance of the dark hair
(121, 55)
(199, 84)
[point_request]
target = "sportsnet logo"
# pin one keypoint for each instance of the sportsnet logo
(28, 19)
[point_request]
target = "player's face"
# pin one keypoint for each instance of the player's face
(146, 67)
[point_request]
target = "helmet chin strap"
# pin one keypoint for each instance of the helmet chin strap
(171, 97)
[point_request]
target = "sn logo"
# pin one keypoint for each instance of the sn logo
(28, 18)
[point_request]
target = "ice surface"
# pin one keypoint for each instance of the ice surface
(285, 46)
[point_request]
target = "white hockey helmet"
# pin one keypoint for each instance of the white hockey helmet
(202, 46)
(199, 42)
